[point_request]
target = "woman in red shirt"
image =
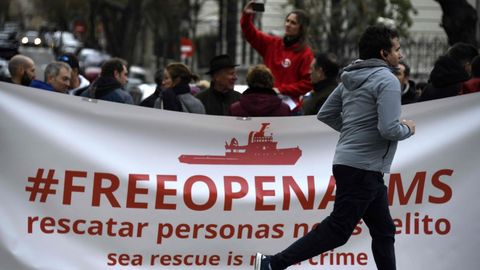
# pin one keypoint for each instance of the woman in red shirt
(288, 58)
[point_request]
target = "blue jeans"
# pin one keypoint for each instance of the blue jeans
(360, 194)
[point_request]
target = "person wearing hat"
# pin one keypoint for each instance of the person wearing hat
(218, 98)
(289, 58)
(78, 83)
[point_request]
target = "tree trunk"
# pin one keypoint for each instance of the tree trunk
(459, 19)
(300, 4)
(232, 11)
(131, 22)
(121, 25)
(4, 8)
(334, 39)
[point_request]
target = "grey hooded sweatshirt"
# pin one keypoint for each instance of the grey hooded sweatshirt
(365, 108)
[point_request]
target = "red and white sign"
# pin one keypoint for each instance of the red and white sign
(99, 185)
(187, 48)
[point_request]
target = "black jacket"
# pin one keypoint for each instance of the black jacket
(217, 103)
(445, 80)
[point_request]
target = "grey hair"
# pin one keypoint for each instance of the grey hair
(53, 69)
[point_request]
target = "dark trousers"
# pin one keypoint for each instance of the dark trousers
(360, 194)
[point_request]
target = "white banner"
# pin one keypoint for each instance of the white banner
(88, 184)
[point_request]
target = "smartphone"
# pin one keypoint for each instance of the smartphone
(258, 7)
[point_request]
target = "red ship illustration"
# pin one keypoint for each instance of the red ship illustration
(260, 150)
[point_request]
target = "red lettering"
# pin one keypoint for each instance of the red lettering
(112, 259)
(228, 182)
(63, 224)
(446, 226)
(133, 190)
(69, 187)
(306, 203)
(45, 223)
(447, 190)
(182, 231)
(165, 230)
(76, 224)
(124, 259)
(98, 190)
(358, 228)
(30, 222)
(187, 193)
(396, 184)
(261, 193)
(162, 192)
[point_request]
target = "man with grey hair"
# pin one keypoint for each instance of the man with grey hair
(22, 70)
(57, 77)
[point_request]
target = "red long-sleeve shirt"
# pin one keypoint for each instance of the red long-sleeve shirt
(291, 68)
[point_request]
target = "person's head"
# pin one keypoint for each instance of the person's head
(403, 72)
(177, 73)
(476, 67)
(380, 42)
(260, 76)
(22, 69)
(158, 77)
(72, 60)
(58, 75)
(323, 67)
(419, 87)
(116, 68)
(464, 53)
(297, 24)
(224, 75)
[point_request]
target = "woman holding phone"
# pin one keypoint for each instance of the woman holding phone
(288, 58)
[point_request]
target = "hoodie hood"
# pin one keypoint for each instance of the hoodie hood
(447, 71)
(103, 85)
(359, 71)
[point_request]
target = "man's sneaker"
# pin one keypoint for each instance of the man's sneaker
(262, 262)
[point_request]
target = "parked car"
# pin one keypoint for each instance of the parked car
(4, 73)
(88, 57)
(65, 42)
(8, 45)
(32, 38)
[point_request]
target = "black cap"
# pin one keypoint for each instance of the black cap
(70, 59)
(220, 62)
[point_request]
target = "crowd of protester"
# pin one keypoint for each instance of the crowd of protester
(291, 81)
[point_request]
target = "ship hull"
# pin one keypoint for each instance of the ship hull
(287, 156)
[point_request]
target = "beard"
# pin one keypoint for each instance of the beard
(26, 80)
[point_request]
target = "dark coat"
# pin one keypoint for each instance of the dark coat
(409, 93)
(109, 89)
(150, 100)
(259, 102)
(321, 90)
(445, 80)
(217, 103)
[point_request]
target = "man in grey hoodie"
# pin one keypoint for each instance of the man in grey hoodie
(365, 109)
